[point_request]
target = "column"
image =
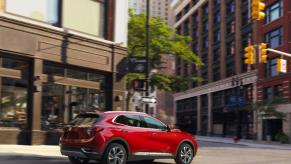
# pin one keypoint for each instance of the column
(209, 128)
(287, 125)
(37, 136)
(257, 120)
(198, 115)
(238, 59)
(223, 40)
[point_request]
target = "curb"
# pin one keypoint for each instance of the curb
(242, 143)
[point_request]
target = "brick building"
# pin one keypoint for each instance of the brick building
(219, 105)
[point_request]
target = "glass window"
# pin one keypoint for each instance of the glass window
(271, 68)
(14, 94)
(274, 11)
(230, 7)
(274, 38)
(42, 10)
(129, 120)
(86, 119)
(84, 15)
(76, 74)
(54, 70)
(268, 93)
(62, 102)
(153, 123)
(53, 106)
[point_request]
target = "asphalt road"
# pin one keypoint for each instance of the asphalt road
(209, 153)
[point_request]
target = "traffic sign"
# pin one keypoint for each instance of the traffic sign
(281, 65)
(137, 64)
(236, 101)
(149, 100)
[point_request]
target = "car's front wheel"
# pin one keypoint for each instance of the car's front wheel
(115, 154)
(77, 160)
(185, 154)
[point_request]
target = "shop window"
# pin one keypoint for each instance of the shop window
(14, 93)
(63, 101)
(76, 74)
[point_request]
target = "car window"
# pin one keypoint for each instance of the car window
(86, 119)
(130, 120)
(154, 123)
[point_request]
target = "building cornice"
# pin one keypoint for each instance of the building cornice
(43, 27)
(247, 78)
(189, 13)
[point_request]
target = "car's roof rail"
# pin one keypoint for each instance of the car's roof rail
(124, 112)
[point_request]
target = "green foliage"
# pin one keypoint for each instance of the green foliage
(163, 40)
(268, 108)
(282, 137)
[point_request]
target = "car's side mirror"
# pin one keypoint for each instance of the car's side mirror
(168, 128)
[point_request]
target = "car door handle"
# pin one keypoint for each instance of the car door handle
(124, 131)
(154, 133)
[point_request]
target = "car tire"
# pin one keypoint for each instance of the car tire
(77, 160)
(185, 154)
(115, 154)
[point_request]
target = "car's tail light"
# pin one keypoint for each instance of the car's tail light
(92, 131)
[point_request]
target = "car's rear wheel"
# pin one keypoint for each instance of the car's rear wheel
(77, 160)
(185, 154)
(115, 154)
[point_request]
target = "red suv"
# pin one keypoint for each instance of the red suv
(118, 137)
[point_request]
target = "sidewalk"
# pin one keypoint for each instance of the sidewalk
(249, 143)
(39, 150)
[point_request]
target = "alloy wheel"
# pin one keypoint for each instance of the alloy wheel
(186, 154)
(116, 155)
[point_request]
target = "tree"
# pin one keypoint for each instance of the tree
(267, 108)
(163, 40)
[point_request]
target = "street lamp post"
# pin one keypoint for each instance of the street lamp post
(237, 83)
(147, 72)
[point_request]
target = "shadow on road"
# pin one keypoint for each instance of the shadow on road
(37, 159)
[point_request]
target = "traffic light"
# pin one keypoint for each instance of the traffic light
(263, 53)
(257, 10)
(249, 55)
(139, 84)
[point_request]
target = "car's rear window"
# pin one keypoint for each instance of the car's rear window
(86, 119)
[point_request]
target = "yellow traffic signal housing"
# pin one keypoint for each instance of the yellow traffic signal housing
(278, 65)
(249, 55)
(257, 10)
(263, 53)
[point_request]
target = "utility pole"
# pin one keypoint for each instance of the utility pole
(147, 73)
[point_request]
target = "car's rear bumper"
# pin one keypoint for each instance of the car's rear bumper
(80, 152)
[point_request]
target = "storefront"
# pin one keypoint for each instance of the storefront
(47, 77)
(15, 99)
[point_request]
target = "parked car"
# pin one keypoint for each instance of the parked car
(118, 137)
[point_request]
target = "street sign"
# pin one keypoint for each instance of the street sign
(137, 64)
(281, 65)
(149, 100)
(236, 101)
